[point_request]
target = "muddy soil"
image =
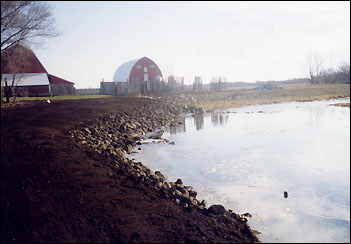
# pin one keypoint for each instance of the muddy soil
(54, 189)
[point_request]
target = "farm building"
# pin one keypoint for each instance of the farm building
(20, 66)
(197, 85)
(218, 83)
(136, 76)
(175, 83)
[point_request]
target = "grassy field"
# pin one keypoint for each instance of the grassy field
(59, 97)
(240, 96)
(298, 92)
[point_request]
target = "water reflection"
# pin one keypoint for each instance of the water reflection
(199, 121)
(246, 165)
(315, 116)
(219, 118)
(177, 129)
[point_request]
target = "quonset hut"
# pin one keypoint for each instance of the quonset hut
(136, 76)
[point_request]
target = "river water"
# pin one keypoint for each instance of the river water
(245, 158)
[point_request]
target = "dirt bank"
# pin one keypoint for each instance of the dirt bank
(341, 105)
(64, 178)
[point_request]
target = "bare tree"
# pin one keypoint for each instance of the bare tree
(315, 63)
(25, 21)
(344, 72)
(332, 76)
(16, 61)
(328, 76)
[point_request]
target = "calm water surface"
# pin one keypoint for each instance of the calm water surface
(245, 158)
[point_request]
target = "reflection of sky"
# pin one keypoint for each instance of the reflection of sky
(247, 162)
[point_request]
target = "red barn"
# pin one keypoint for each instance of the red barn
(142, 73)
(30, 76)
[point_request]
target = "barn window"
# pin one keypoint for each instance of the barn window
(146, 77)
(152, 66)
(145, 69)
(138, 66)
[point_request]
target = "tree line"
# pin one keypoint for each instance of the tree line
(317, 75)
(332, 76)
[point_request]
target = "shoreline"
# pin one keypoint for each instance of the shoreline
(46, 186)
(130, 134)
(210, 107)
(211, 124)
(123, 201)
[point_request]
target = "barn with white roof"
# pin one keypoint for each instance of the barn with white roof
(21, 67)
(135, 76)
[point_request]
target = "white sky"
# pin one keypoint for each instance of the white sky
(243, 41)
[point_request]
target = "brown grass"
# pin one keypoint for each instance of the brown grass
(288, 93)
(341, 105)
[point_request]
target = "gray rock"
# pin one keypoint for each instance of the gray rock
(203, 203)
(216, 209)
(131, 125)
(184, 199)
(129, 148)
(164, 194)
(223, 219)
(202, 209)
(189, 188)
(153, 178)
(155, 135)
(193, 194)
(179, 182)
(87, 130)
(181, 189)
(159, 185)
(194, 201)
(134, 135)
(178, 193)
(160, 175)
(102, 146)
(166, 185)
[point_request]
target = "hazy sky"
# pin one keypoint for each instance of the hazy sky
(243, 41)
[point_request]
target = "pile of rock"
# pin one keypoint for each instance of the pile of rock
(118, 133)
(193, 109)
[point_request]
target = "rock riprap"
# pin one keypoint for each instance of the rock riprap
(116, 134)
